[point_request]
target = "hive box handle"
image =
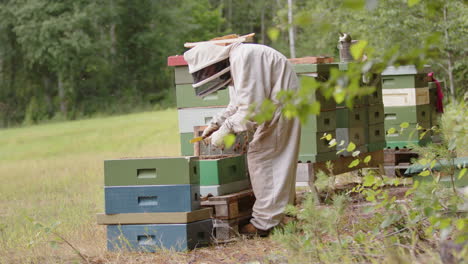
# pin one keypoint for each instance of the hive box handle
(146, 240)
(146, 173)
(147, 200)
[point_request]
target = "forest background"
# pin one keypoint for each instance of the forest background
(72, 59)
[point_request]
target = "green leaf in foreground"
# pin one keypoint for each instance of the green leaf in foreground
(404, 125)
(273, 34)
(425, 173)
(462, 173)
(229, 140)
(413, 2)
(354, 4)
(357, 50)
(354, 163)
(351, 147)
(367, 159)
(391, 131)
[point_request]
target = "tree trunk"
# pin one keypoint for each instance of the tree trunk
(62, 95)
(48, 95)
(1, 69)
(292, 47)
(230, 14)
(112, 31)
(262, 24)
(449, 57)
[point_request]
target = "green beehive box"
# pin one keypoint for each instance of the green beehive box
(222, 170)
(404, 81)
(357, 135)
(408, 134)
(405, 76)
(361, 101)
(356, 117)
(321, 69)
(408, 143)
(312, 158)
(325, 121)
(376, 97)
(325, 104)
(312, 144)
(376, 133)
(376, 114)
(182, 75)
(375, 146)
(186, 97)
(151, 171)
(186, 148)
(395, 115)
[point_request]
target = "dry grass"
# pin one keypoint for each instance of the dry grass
(54, 174)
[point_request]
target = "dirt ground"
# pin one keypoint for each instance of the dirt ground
(242, 250)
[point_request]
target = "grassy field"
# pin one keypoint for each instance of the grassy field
(54, 174)
(51, 183)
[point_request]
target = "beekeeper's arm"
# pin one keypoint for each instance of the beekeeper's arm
(251, 78)
(219, 119)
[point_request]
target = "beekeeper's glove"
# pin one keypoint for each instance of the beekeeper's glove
(213, 127)
(217, 138)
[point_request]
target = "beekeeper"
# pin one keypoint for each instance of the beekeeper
(254, 73)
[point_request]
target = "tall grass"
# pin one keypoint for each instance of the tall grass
(53, 173)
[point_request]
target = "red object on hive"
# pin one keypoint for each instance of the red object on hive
(177, 60)
(440, 94)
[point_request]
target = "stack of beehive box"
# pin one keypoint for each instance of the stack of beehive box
(406, 99)
(221, 174)
(375, 133)
(363, 124)
(313, 148)
(154, 203)
(193, 110)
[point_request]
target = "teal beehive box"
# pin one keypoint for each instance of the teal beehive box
(158, 237)
(223, 170)
(151, 171)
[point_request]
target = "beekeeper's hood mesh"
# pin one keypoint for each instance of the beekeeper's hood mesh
(209, 66)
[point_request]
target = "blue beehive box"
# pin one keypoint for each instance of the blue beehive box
(151, 238)
(152, 198)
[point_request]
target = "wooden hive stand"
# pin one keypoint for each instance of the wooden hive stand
(230, 212)
(396, 161)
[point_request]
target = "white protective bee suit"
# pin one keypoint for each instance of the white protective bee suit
(258, 73)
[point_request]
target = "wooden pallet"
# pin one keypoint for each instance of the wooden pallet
(231, 206)
(228, 230)
(394, 157)
(396, 171)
